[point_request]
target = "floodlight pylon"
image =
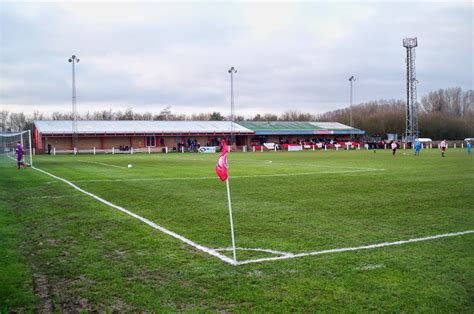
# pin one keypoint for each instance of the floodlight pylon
(232, 71)
(73, 61)
(411, 132)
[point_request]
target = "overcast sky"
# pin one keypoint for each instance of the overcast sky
(288, 55)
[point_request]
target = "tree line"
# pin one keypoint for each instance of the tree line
(444, 113)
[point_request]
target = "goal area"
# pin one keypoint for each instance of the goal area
(8, 146)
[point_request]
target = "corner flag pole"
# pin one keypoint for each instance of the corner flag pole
(223, 174)
(230, 216)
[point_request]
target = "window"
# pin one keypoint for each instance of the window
(150, 141)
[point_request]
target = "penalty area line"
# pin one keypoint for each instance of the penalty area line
(148, 222)
(357, 248)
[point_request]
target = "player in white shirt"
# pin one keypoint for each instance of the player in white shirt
(443, 145)
(394, 147)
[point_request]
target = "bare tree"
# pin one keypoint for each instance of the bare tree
(453, 101)
(258, 117)
(467, 103)
(103, 115)
(216, 116)
(147, 116)
(126, 115)
(200, 116)
(4, 120)
(295, 115)
(17, 121)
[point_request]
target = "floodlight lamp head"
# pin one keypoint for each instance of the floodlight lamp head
(77, 60)
(232, 69)
(352, 78)
(410, 42)
(70, 60)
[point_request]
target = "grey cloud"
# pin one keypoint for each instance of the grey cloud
(299, 66)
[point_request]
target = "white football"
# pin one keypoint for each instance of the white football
(129, 165)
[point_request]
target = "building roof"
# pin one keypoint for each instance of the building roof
(84, 127)
(64, 127)
(298, 128)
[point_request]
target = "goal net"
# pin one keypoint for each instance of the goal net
(9, 147)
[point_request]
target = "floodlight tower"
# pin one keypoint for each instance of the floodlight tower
(73, 61)
(351, 122)
(232, 70)
(411, 132)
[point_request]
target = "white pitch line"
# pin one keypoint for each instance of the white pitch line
(309, 164)
(232, 177)
(357, 248)
(303, 173)
(148, 222)
(14, 159)
(101, 163)
(255, 250)
(266, 161)
(145, 179)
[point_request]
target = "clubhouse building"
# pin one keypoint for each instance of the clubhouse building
(156, 135)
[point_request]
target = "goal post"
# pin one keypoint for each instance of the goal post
(8, 145)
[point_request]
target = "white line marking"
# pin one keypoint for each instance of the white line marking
(17, 160)
(318, 165)
(148, 222)
(255, 250)
(357, 248)
(12, 158)
(101, 163)
(232, 177)
(303, 173)
(266, 161)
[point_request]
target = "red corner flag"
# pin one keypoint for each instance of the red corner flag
(221, 166)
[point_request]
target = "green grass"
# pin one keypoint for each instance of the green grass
(66, 251)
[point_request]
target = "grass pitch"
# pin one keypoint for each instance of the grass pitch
(67, 251)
